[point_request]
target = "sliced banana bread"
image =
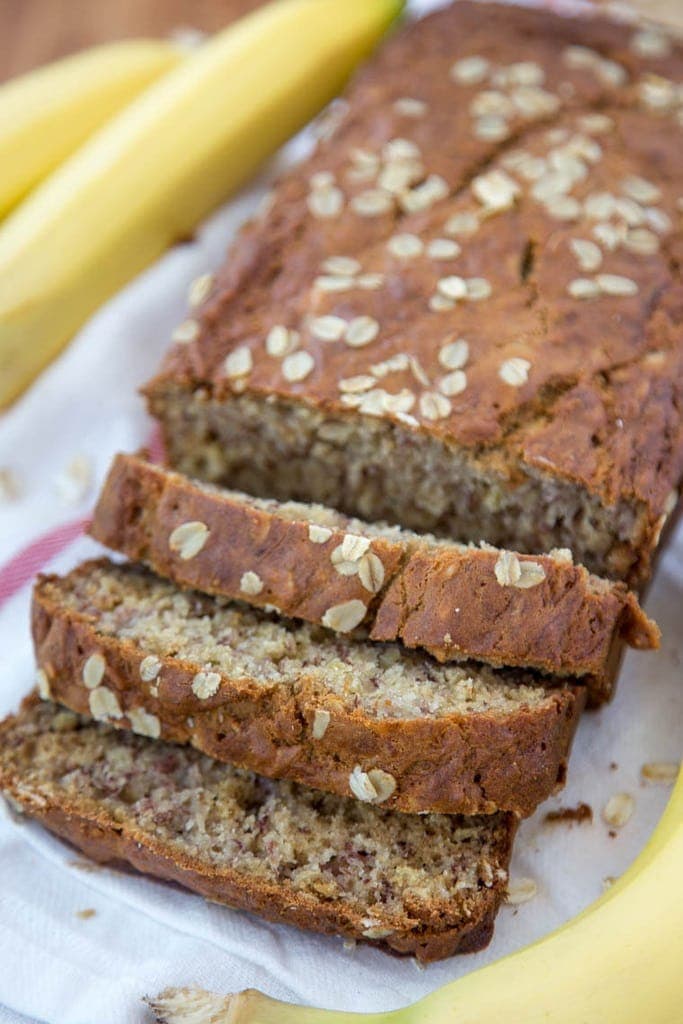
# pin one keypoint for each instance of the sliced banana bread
(313, 563)
(463, 312)
(424, 885)
(297, 701)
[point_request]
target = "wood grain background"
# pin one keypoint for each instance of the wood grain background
(33, 32)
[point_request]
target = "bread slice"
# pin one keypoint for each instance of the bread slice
(295, 701)
(423, 885)
(455, 601)
(463, 314)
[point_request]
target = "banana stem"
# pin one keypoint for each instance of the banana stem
(196, 1006)
(252, 1007)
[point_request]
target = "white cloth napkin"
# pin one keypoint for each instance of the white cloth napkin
(64, 968)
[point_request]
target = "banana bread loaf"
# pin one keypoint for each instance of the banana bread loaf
(463, 312)
(295, 701)
(313, 563)
(425, 885)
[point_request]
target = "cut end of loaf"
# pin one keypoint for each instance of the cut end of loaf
(378, 470)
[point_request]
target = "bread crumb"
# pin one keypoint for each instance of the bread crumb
(582, 812)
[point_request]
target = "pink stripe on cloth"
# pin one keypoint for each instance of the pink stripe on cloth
(30, 560)
(26, 563)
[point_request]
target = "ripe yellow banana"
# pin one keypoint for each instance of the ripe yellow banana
(619, 962)
(150, 175)
(46, 114)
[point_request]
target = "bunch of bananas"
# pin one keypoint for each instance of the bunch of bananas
(150, 173)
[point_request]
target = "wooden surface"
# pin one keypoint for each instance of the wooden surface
(33, 32)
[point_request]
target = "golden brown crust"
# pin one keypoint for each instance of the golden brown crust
(92, 829)
(471, 763)
(598, 403)
(445, 599)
